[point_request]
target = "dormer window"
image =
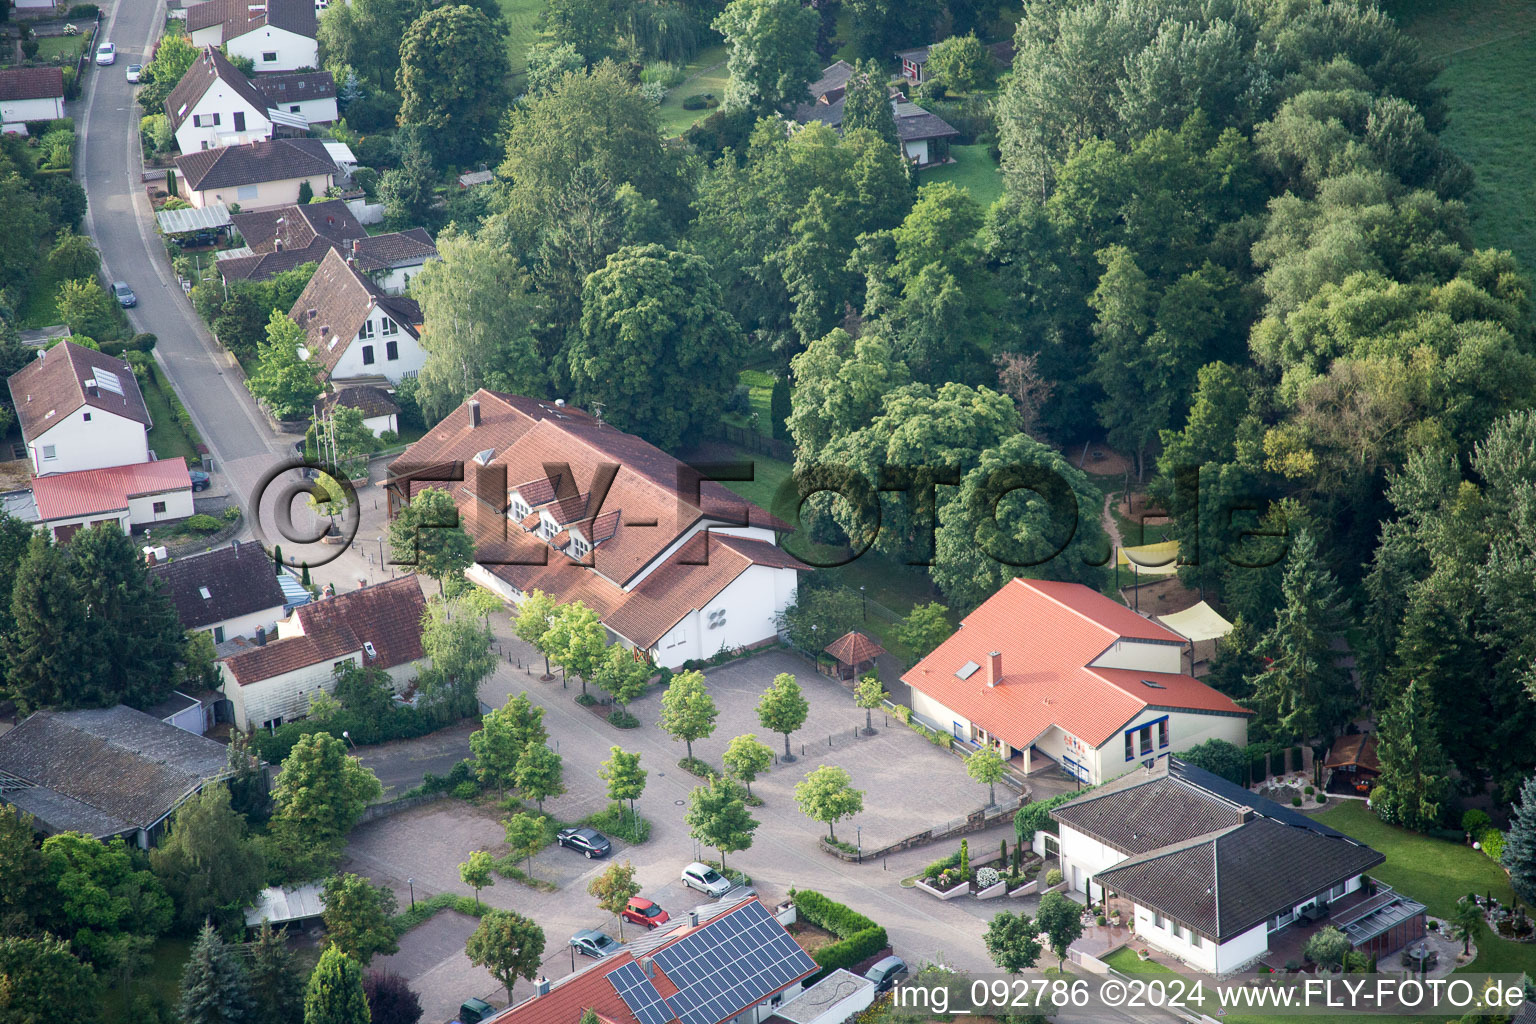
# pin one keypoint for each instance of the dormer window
(520, 509)
(369, 649)
(579, 547)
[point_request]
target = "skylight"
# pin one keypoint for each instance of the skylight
(204, 591)
(1155, 686)
(967, 670)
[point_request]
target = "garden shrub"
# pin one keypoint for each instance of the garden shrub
(1053, 877)
(941, 865)
(204, 524)
(986, 877)
(466, 790)
(1492, 841)
(1474, 821)
(1295, 801)
(663, 73)
(859, 937)
(83, 11)
(700, 101)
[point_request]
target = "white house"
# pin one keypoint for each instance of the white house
(215, 105)
(394, 258)
(79, 409)
(277, 35)
(310, 95)
(355, 330)
(272, 681)
(257, 175)
(1217, 875)
(1059, 671)
(30, 94)
(676, 568)
(141, 494)
(228, 592)
(379, 411)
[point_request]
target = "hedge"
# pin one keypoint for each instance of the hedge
(859, 937)
(398, 724)
(1035, 817)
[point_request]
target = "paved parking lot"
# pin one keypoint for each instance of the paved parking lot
(909, 785)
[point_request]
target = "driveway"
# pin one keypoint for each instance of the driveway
(402, 764)
(119, 219)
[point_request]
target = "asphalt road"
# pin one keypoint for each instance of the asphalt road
(120, 220)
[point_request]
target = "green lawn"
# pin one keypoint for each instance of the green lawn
(1489, 51)
(522, 30)
(760, 383)
(166, 436)
(49, 47)
(973, 170)
(706, 73)
(40, 309)
(1126, 961)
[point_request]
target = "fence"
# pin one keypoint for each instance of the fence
(757, 443)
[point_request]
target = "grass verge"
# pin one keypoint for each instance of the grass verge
(973, 170)
(1126, 961)
(427, 908)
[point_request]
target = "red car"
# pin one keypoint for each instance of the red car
(643, 911)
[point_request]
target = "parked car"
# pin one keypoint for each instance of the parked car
(593, 943)
(706, 879)
(106, 54)
(588, 841)
(124, 295)
(474, 1011)
(200, 481)
(134, 70)
(886, 973)
(643, 911)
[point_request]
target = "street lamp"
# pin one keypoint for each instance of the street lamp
(381, 552)
(348, 737)
(412, 883)
(864, 598)
(858, 830)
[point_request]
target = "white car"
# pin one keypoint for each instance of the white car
(106, 54)
(706, 879)
(134, 70)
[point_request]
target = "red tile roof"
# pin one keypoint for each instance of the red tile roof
(91, 491)
(386, 615)
(591, 989)
(854, 648)
(1048, 634)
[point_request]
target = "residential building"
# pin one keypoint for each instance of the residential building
(30, 94)
(285, 237)
(730, 962)
(79, 409)
(216, 105)
(310, 95)
(130, 496)
(106, 772)
(356, 331)
(194, 713)
(677, 568)
(1059, 671)
(228, 592)
(392, 259)
(274, 680)
(1219, 876)
(256, 176)
(380, 413)
(924, 137)
(276, 35)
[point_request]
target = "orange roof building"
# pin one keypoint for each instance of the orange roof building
(676, 567)
(1056, 673)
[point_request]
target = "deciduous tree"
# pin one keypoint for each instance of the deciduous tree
(208, 862)
(390, 999)
(985, 765)
(459, 644)
(688, 712)
(747, 757)
(476, 873)
(869, 694)
(320, 794)
(827, 794)
(770, 53)
(1062, 921)
(613, 890)
(625, 777)
(718, 817)
(622, 677)
(460, 99)
(1013, 942)
(357, 917)
(539, 773)
(427, 534)
(576, 640)
(532, 621)
(526, 835)
(922, 629)
(783, 708)
(508, 945)
(36, 970)
(962, 63)
(282, 380)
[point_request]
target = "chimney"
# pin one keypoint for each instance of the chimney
(994, 668)
(149, 557)
(236, 545)
(474, 413)
(361, 583)
(648, 966)
(1245, 814)
(277, 245)
(261, 636)
(357, 244)
(541, 986)
(693, 919)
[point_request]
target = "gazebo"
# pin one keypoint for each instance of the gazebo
(850, 651)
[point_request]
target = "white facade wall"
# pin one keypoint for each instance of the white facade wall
(379, 424)
(1185, 729)
(409, 360)
(286, 696)
(104, 440)
(21, 111)
(288, 51)
(198, 131)
(397, 280)
(315, 111)
(1141, 656)
(751, 603)
(55, 526)
(917, 150)
(1088, 855)
(261, 196)
(245, 625)
(177, 505)
(941, 716)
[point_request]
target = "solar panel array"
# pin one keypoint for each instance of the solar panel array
(731, 964)
(639, 994)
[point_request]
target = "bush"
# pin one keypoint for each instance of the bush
(700, 101)
(83, 11)
(860, 938)
(696, 767)
(938, 867)
(986, 877)
(586, 700)
(617, 821)
(654, 91)
(466, 791)
(204, 524)
(1474, 821)
(623, 720)
(1053, 877)
(1309, 791)
(1295, 801)
(232, 513)
(1492, 841)
(1322, 798)
(663, 72)
(1099, 920)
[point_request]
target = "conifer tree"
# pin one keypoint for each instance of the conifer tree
(277, 987)
(1414, 778)
(214, 986)
(335, 992)
(1520, 844)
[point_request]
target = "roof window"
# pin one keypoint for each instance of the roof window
(967, 670)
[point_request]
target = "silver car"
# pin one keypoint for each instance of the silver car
(706, 879)
(106, 54)
(593, 943)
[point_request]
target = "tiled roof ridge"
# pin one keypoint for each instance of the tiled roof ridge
(1084, 616)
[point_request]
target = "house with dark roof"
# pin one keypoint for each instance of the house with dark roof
(30, 94)
(379, 410)
(677, 568)
(730, 962)
(216, 105)
(355, 330)
(107, 772)
(227, 592)
(273, 680)
(1219, 876)
(1057, 673)
(285, 237)
(79, 409)
(276, 35)
(256, 176)
(925, 137)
